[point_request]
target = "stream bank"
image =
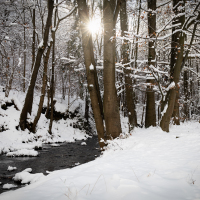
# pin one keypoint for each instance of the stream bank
(67, 155)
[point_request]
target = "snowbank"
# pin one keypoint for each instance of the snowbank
(15, 142)
(26, 177)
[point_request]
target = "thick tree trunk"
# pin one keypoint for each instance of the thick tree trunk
(174, 51)
(92, 80)
(176, 64)
(150, 118)
(175, 115)
(27, 108)
(111, 108)
(130, 101)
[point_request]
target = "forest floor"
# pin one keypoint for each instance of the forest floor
(146, 164)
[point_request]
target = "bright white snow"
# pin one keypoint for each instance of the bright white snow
(10, 168)
(26, 177)
(23, 152)
(147, 164)
(9, 186)
(91, 67)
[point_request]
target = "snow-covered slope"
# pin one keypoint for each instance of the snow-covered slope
(148, 164)
(15, 142)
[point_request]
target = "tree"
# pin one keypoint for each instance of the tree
(90, 65)
(111, 108)
(130, 101)
(174, 52)
(27, 108)
(169, 101)
(150, 118)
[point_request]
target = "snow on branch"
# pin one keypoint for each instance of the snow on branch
(156, 70)
(163, 4)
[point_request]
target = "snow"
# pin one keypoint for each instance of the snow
(146, 164)
(10, 168)
(83, 143)
(15, 142)
(25, 176)
(9, 186)
(143, 165)
(55, 145)
(164, 110)
(91, 67)
(41, 44)
(23, 152)
(172, 85)
(68, 59)
(77, 163)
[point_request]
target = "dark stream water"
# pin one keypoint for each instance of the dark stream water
(50, 159)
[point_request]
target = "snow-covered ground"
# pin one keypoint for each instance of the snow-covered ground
(147, 164)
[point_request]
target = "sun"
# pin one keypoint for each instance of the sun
(94, 26)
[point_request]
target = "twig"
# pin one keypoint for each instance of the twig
(135, 175)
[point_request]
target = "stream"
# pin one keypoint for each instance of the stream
(50, 158)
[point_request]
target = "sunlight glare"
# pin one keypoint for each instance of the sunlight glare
(94, 26)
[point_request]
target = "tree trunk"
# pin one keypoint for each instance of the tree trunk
(150, 118)
(175, 70)
(44, 84)
(176, 115)
(92, 80)
(186, 95)
(86, 108)
(138, 28)
(111, 108)
(24, 80)
(48, 99)
(52, 71)
(130, 101)
(69, 86)
(198, 90)
(27, 108)
(33, 42)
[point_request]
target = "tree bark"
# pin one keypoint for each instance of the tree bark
(52, 71)
(175, 70)
(111, 108)
(186, 95)
(92, 80)
(138, 29)
(27, 108)
(44, 84)
(24, 80)
(33, 42)
(150, 118)
(130, 101)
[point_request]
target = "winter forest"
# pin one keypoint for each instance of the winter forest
(124, 73)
